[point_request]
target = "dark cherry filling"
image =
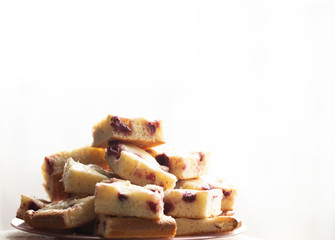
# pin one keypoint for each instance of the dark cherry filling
(114, 149)
(50, 165)
(33, 206)
(151, 176)
(154, 190)
(122, 197)
(104, 225)
(189, 197)
(152, 206)
(217, 226)
(162, 159)
(206, 186)
(138, 172)
(226, 193)
(152, 126)
(97, 222)
(119, 126)
(168, 207)
(201, 156)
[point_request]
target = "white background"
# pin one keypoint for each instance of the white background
(251, 81)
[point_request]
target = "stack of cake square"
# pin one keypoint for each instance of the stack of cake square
(130, 184)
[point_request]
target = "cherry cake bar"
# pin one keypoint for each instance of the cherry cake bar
(129, 184)
(138, 131)
(206, 182)
(133, 163)
(182, 164)
(121, 198)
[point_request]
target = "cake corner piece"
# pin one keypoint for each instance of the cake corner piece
(139, 131)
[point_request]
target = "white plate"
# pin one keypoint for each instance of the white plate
(20, 225)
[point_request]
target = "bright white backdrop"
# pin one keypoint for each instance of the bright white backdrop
(251, 81)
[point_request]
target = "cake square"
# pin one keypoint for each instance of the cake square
(138, 131)
(121, 198)
(182, 164)
(192, 203)
(136, 165)
(206, 183)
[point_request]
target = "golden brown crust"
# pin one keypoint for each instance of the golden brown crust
(62, 215)
(45, 220)
(127, 227)
(220, 224)
(55, 188)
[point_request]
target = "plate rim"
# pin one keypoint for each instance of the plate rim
(19, 224)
